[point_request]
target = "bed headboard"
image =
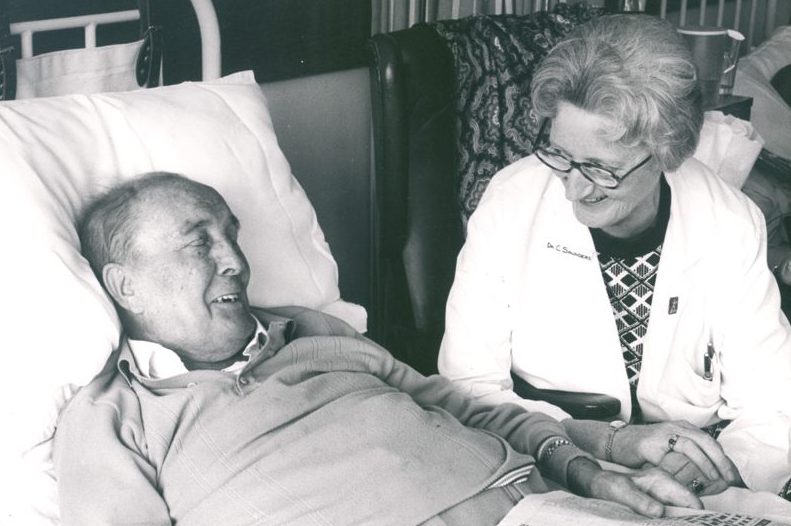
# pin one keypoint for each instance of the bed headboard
(20, 38)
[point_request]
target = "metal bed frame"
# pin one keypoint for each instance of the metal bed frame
(204, 10)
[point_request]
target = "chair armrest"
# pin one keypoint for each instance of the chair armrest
(586, 406)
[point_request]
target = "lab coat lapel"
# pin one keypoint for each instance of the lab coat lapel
(565, 273)
(684, 247)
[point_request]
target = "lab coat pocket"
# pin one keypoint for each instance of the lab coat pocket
(693, 386)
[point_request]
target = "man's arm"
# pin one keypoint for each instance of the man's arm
(103, 475)
(528, 432)
(644, 491)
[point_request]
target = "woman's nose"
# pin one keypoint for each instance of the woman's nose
(577, 185)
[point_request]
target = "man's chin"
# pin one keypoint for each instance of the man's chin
(236, 315)
(235, 335)
(246, 322)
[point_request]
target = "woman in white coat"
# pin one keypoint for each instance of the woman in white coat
(612, 262)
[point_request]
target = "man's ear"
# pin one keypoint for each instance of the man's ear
(119, 285)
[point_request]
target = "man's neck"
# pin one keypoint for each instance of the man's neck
(215, 366)
(155, 360)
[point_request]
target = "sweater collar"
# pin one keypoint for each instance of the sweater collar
(155, 361)
(272, 333)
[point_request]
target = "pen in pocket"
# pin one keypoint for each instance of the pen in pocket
(707, 361)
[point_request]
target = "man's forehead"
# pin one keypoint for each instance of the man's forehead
(181, 210)
(222, 217)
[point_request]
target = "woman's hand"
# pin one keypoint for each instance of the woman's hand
(635, 445)
(645, 491)
(695, 453)
(687, 473)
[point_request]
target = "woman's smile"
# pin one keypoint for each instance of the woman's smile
(585, 137)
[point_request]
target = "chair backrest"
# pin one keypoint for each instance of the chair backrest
(416, 221)
(434, 157)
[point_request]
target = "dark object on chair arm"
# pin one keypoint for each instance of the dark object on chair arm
(586, 406)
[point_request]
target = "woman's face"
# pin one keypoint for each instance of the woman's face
(627, 210)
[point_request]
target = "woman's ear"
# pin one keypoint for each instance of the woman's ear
(119, 284)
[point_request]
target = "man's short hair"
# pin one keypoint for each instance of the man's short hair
(107, 226)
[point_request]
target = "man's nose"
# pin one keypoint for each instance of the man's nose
(577, 185)
(230, 260)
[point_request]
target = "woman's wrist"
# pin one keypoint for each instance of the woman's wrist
(590, 435)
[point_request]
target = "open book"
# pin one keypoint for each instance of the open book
(561, 508)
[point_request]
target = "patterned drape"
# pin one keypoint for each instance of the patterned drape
(495, 57)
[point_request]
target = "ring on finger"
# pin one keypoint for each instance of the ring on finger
(696, 486)
(672, 441)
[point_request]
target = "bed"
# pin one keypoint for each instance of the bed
(61, 146)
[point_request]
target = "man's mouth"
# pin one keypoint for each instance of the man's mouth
(228, 298)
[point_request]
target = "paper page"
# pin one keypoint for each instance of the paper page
(559, 507)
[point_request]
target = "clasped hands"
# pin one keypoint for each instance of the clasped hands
(672, 463)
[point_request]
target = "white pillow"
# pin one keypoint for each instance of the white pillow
(58, 326)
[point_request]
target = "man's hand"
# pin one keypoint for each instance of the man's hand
(645, 491)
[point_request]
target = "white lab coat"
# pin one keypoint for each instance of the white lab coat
(529, 296)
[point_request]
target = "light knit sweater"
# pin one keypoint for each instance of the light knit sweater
(327, 429)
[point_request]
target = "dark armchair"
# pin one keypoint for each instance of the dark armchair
(419, 187)
(417, 224)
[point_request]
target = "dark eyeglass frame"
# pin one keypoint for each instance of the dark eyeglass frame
(607, 180)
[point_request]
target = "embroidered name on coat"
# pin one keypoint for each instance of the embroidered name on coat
(563, 249)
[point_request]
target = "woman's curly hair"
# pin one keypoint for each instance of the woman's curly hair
(636, 70)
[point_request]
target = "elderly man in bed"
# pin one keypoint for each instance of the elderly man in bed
(212, 412)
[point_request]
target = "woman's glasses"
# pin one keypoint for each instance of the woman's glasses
(592, 172)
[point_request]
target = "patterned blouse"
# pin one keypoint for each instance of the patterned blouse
(629, 267)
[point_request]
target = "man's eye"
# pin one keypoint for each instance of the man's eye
(198, 242)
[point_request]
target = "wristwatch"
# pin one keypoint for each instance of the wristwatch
(615, 426)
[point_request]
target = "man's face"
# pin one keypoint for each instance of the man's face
(189, 277)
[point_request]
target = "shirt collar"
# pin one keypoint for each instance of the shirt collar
(156, 362)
